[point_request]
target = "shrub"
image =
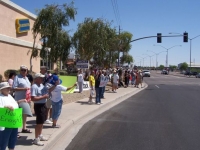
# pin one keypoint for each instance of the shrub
(7, 72)
(62, 72)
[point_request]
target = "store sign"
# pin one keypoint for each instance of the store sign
(22, 25)
(83, 64)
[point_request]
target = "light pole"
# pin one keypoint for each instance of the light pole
(190, 45)
(142, 59)
(156, 56)
(167, 49)
(150, 60)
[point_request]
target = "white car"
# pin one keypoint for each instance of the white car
(146, 73)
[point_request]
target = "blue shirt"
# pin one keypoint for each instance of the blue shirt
(39, 90)
(20, 82)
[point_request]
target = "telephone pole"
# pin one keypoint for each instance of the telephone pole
(119, 48)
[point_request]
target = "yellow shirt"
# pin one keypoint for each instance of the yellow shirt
(91, 80)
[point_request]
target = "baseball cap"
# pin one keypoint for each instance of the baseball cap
(54, 79)
(39, 75)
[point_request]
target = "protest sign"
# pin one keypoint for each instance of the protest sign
(10, 118)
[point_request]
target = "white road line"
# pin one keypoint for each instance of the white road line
(157, 86)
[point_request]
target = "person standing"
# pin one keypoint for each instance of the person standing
(43, 71)
(8, 136)
(20, 85)
(57, 99)
(92, 86)
(97, 88)
(115, 81)
(80, 80)
(39, 95)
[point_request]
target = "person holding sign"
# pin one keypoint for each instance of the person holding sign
(39, 94)
(8, 136)
(57, 98)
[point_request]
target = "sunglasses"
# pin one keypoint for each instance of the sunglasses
(23, 70)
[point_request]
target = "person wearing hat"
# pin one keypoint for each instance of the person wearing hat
(57, 98)
(8, 136)
(39, 95)
(115, 81)
(20, 85)
(43, 70)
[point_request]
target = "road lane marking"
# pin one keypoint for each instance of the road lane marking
(157, 86)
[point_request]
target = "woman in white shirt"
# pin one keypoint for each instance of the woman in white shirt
(8, 136)
(80, 80)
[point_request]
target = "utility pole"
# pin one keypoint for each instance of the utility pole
(119, 49)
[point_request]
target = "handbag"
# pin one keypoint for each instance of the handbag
(28, 95)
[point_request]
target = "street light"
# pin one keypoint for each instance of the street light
(190, 45)
(150, 59)
(167, 49)
(156, 56)
(143, 59)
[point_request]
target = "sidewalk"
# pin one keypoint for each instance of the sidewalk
(70, 115)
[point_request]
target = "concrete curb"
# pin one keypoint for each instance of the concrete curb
(51, 145)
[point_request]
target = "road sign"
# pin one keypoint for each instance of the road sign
(83, 64)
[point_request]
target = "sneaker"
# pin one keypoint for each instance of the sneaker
(48, 122)
(37, 142)
(101, 103)
(42, 138)
(51, 119)
(98, 103)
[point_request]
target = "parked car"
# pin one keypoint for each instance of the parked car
(198, 75)
(146, 73)
(164, 72)
(187, 73)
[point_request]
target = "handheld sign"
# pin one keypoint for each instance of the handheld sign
(11, 118)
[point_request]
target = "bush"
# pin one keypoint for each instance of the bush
(62, 72)
(7, 72)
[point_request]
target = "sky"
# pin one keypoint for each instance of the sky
(142, 18)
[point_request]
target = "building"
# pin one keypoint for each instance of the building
(16, 38)
(193, 65)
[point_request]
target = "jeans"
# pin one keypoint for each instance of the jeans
(8, 137)
(80, 86)
(102, 93)
(56, 109)
(98, 94)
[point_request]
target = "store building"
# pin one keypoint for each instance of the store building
(16, 38)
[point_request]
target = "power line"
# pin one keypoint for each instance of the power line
(117, 8)
(116, 11)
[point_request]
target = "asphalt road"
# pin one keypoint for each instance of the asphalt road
(164, 116)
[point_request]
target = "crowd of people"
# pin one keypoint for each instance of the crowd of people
(44, 91)
(98, 79)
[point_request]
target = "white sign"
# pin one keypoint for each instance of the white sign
(86, 86)
(83, 64)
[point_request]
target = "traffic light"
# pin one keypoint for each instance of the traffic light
(185, 37)
(159, 38)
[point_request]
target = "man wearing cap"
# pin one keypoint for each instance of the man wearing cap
(20, 85)
(43, 70)
(39, 94)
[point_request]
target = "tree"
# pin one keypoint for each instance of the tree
(49, 27)
(161, 67)
(184, 66)
(127, 59)
(94, 40)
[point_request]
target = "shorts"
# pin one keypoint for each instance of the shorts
(40, 112)
(56, 109)
(26, 108)
(48, 103)
(115, 84)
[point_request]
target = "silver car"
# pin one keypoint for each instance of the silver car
(198, 75)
